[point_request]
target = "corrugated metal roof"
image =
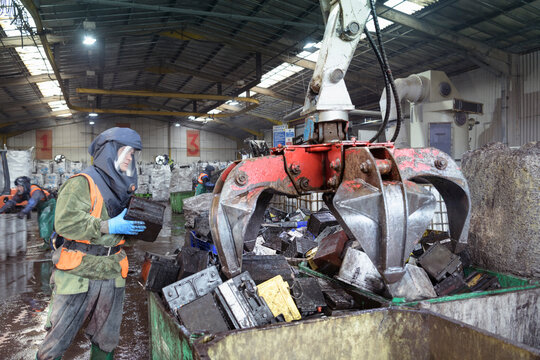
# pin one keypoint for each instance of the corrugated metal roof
(208, 46)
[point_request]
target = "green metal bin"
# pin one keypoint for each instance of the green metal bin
(513, 311)
(388, 333)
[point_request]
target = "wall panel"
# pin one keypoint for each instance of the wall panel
(529, 117)
(73, 141)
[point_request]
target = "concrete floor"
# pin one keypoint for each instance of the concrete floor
(25, 294)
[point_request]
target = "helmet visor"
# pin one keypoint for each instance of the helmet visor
(126, 160)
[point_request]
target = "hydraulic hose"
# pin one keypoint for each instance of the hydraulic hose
(386, 84)
(388, 71)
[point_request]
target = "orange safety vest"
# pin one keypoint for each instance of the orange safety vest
(34, 188)
(200, 180)
(70, 259)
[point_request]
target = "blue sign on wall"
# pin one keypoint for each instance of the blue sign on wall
(279, 135)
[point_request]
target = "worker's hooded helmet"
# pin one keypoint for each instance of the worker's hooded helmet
(208, 169)
(23, 181)
(115, 152)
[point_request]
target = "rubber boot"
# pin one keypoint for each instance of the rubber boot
(97, 354)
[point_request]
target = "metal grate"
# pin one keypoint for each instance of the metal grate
(440, 218)
(312, 202)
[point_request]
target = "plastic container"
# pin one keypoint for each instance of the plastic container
(201, 244)
(177, 200)
(277, 295)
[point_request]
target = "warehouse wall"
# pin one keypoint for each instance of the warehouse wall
(73, 140)
(528, 122)
(523, 111)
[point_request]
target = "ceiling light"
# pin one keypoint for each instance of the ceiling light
(191, 117)
(93, 114)
(89, 40)
(309, 45)
(91, 122)
(177, 125)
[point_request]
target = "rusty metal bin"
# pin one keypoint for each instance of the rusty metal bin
(387, 333)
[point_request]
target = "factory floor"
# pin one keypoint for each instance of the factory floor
(25, 294)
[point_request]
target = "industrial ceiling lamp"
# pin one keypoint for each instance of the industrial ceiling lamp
(309, 45)
(89, 28)
(177, 124)
(91, 122)
(92, 114)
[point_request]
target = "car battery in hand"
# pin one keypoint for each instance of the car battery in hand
(150, 212)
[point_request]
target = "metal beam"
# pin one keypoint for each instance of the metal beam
(178, 10)
(143, 93)
(32, 118)
(18, 41)
(273, 121)
(497, 58)
(276, 95)
(174, 68)
(14, 105)
(295, 60)
(25, 80)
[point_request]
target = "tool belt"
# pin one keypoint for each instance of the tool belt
(96, 250)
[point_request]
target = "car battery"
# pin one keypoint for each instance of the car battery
(358, 270)
(329, 253)
(150, 212)
(335, 296)
(439, 262)
(158, 271)
(319, 221)
(243, 306)
(308, 296)
(451, 285)
(203, 316)
(264, 267)
(277, 296)
(186, 290)
(299, 247)
(191, 261)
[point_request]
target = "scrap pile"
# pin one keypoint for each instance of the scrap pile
(301, 265)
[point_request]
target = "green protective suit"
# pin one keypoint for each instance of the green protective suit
(200, 189)
(46, 219)
(73, 221)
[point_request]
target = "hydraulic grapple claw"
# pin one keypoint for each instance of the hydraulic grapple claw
(240, 199)
(372, 189)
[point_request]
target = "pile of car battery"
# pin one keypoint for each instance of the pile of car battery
(334, 276)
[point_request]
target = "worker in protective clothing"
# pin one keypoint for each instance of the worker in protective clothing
(204, 184)
(37, 198)
(91, 267)
(25, 192)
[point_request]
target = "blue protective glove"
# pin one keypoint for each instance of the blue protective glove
(119, 225)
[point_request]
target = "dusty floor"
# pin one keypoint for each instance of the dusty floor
(25, 293)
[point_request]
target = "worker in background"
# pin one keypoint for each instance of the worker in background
(91, 267)
(36, 198)
(204, 184)
(25, 192)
